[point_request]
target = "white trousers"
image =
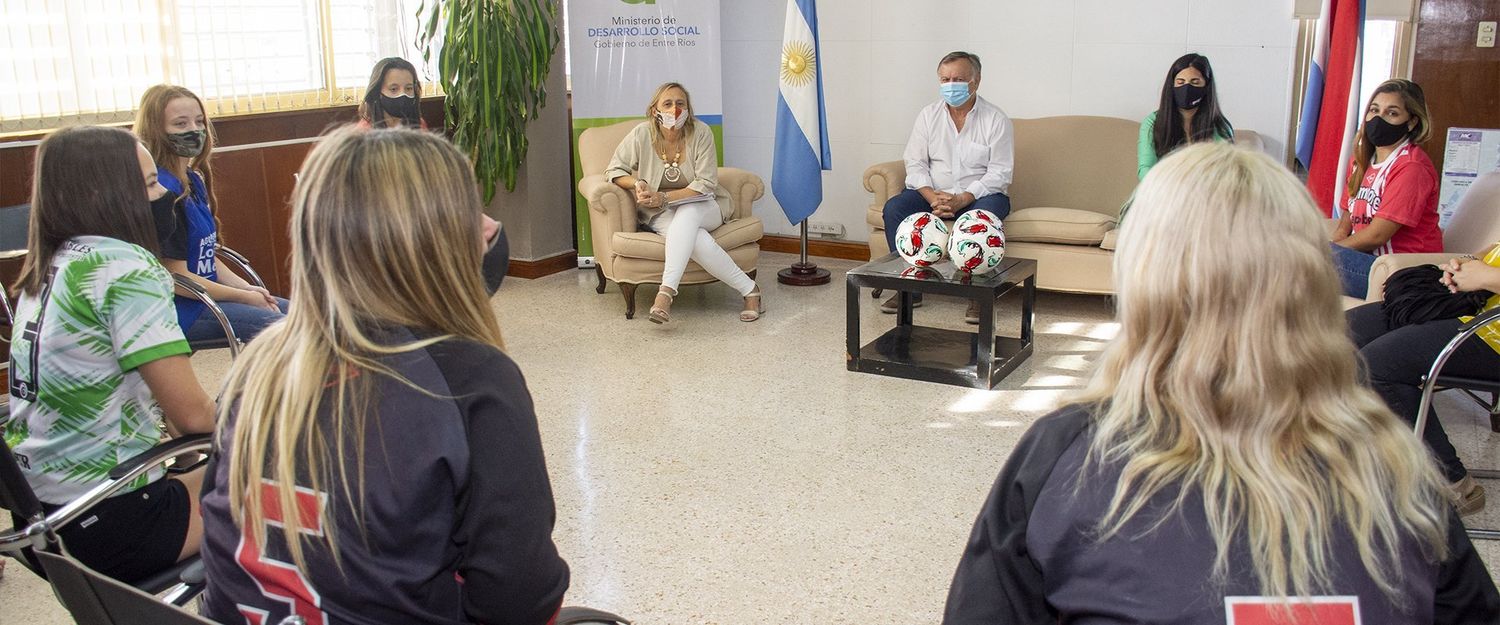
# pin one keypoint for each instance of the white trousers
(686, 231)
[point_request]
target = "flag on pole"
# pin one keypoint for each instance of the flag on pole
(1330, 108)
(801, 149)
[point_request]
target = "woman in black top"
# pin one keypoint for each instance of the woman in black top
(384, 412)
(1224, 465)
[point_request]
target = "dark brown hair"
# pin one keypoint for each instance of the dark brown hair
(1208, 121)
(87, 182)
(369, 108)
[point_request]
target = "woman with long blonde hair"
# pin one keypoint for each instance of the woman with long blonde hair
(1224, 459)
(384, 412)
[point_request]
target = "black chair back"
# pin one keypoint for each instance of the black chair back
(16, 495)
(15, 222)
(17, 498)
(94, 599)
(579, 615)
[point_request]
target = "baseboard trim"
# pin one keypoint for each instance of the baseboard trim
(532, 269)
(846, 250)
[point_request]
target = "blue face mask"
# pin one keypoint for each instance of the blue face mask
(954, 93)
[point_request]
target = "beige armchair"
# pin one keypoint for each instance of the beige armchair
(628, 256)
(1475, 226)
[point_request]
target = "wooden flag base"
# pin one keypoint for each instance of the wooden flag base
(803, 274)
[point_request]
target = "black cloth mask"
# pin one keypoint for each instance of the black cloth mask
(1188, 96)
(164, 216)
(1381, 133)
(403, 107)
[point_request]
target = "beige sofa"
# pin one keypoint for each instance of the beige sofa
(625, 255)
(1072, 173)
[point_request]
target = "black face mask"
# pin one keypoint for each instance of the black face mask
(164, 216)
(163, 205)
(1188, 96)
(1381, 133)
(403, 107)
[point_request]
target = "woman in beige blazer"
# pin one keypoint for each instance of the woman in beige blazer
(669, 163)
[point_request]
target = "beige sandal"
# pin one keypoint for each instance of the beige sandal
(751, 313)
(1467, 496)
(659, 313)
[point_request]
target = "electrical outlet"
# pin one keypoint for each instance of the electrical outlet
(585, 262)
(823, 228)
(1486, 38)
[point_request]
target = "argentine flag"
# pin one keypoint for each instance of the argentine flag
(801, 143)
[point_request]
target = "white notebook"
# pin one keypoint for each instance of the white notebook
(701, 197)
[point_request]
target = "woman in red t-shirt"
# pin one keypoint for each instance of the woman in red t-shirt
(1389, 204)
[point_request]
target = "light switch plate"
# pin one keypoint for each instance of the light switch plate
(1486, 37)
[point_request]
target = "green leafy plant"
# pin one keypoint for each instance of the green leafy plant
(493, 57)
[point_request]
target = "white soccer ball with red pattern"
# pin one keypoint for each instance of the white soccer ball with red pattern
(922, 239)
(977, 247)
(977, 214)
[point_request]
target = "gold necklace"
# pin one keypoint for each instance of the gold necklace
(673, 171)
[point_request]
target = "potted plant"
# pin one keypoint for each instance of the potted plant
(493, 57)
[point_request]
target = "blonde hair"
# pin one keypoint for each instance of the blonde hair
(385, 233)
(1415, 104)
(1232, 375)
(687, 126)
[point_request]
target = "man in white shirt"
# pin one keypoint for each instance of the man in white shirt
(960, 157)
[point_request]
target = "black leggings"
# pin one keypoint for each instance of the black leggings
(1396, 360)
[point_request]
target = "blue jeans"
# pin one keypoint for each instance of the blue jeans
(247, 321)
(909, 202)
(1354, 269)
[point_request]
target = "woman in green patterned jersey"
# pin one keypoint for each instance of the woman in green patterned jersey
(98, 360)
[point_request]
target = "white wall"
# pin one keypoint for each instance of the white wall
(1041, 58)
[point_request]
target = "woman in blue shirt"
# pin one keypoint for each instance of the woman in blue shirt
(172, 123)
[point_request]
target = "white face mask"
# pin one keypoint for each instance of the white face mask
(670, 121)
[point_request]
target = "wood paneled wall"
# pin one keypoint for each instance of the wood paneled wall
(252, 182)
(1461, 81)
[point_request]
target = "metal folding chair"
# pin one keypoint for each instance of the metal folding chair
(8, 319)
(241, 265)
(15, 221)
(94, 599)
(1435, 379)
(36, 530)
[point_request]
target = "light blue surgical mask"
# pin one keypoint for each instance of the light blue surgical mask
(954, 93)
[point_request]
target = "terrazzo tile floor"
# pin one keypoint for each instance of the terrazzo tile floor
(718, 472)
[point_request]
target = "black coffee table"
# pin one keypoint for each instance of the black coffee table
(977, 360)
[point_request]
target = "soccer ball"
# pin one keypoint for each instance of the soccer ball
(922, 239)
(978, 247)
(977, 214)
